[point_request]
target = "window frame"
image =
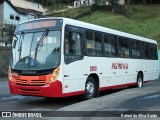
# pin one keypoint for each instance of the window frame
(17, 17)
(73, 58)
(93, 39)
(137, 48)
(70, 31)
(109, 41)
(12, 15)
(101, 34)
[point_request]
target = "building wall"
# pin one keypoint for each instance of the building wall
(8, 10)
(1, 13)
(80, 3)
(121, 2)
(27, 5)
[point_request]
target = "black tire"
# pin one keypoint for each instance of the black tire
(139, 81)
(91, 90)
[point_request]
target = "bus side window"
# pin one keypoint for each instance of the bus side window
(153, 51)
(138, 49)
(73, 44)
(90, 48)
(145, 50)
(151, 47)
(113, 42)
(135, 48)
(98, 39)
(107, 45)
(121, 47)
(126, 51)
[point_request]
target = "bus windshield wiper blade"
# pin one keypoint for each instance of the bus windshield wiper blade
(40, 42)
(20, 44)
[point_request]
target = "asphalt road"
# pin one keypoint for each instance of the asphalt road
(9, 102)
(133, 99)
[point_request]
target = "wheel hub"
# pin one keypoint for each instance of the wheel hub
(139, 82)
(90, 88)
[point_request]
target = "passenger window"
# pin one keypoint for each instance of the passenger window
(90, 44)
(153, 51)
(73, 44)
(98, 39)
(135, 48)
(107, 45)
(113, 42)
(138, 53)
(123, 48)
(145, 50)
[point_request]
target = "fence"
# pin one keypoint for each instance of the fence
(5, 54)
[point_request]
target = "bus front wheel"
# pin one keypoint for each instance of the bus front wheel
(139, 81)
(90, 88)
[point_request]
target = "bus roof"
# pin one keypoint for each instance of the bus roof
(96, 28)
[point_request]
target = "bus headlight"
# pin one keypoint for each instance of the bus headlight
(9, 74)
(55, 75)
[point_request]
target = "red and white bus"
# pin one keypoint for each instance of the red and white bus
(59, 57)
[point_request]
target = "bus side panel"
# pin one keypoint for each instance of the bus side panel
(74, 79)
(135, 66)
(151, 70)
(79, 71)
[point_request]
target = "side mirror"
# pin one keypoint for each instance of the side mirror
(14, 43)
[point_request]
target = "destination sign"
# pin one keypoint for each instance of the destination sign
(37, 25)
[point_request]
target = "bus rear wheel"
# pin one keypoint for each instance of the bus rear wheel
(139, 81)
(90, 88)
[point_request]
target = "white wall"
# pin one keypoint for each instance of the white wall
(121, 2)
(79, 3)
(1, 13)
(27, 5)
(8, 10)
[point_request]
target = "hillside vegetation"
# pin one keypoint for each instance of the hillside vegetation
(144, 20)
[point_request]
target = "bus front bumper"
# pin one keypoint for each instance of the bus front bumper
(49, 90)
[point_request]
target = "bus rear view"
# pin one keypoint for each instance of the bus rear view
(35, 58)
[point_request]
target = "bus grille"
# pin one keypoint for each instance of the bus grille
(30, 82)
(34, 92)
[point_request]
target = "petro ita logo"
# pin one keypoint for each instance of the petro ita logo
(119, 65)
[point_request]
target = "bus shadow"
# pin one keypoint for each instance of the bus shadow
(110, 91)
(52, 103)
(66, 100)
(62, 102)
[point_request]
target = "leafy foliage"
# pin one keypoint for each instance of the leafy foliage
(6, 31)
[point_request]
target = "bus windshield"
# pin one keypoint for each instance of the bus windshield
(36, 51)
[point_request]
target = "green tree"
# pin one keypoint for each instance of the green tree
(6, 31)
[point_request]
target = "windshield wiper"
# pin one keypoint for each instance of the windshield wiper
(20, 44)
(40, 42)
